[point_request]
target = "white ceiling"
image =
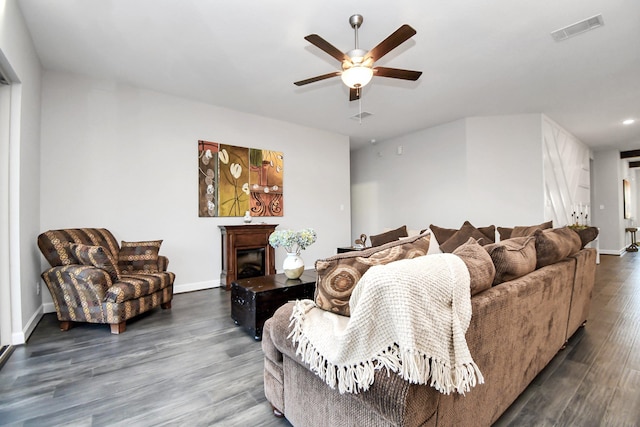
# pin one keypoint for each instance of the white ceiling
(478, 57)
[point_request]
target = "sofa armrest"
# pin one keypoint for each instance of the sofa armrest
(75, 288)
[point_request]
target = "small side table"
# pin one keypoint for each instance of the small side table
(255, 299)
(632, 247)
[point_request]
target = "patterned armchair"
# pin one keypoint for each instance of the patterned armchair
(93, 279)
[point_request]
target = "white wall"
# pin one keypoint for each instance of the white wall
(19, 59)
(505, 178)
(607, 201)
(389, 190)
(487, 170)
(125, 158)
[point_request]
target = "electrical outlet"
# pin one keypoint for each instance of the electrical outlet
(38, 287)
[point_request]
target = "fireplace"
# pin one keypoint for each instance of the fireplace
(246, 252)
(250, 263)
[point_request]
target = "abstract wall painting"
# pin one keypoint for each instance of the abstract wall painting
(233, 180)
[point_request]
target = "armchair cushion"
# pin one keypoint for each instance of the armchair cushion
(131, 287)
(96, 256)
(139, 257)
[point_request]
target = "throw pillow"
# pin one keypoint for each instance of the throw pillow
(555, 244)
(587, 235)
(444, 234)
(96, 256)
(461, 236)
(389, 236)
(522, 231)
(339, 274)
(139, 257)
(512, 258)
(479, 263)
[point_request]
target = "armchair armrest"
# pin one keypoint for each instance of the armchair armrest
(163, 263)
(78, 291)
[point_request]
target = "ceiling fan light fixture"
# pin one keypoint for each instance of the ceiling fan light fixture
(357, 76)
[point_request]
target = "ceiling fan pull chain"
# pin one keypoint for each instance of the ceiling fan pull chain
(360, 105)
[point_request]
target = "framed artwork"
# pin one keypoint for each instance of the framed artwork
(233, 180)
(626, 198)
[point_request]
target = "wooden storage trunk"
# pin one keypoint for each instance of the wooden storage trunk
(255, 299)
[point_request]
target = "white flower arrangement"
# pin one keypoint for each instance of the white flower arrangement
(293, 241)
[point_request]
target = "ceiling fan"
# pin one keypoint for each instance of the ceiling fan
(357, 64)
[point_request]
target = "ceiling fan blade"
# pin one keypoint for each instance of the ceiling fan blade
(398, 37)
(317, 78)
(354, 94)
(396, 73)
(321, 43)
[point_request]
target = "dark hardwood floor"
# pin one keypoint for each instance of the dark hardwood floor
(192, 366)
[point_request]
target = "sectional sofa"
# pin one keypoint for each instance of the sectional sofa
(537, 297)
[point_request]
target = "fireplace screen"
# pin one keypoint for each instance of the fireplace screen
(250, 263)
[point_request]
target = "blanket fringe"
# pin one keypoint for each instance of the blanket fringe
(412, 366)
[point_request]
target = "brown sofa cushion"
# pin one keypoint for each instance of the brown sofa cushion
(139, 257)
(338, 275)
(479, 263)
(388, 236)
(462, 236)
(444, 234)
(512, 258)
(555, 244)
(587, 235)
(522, 231)
(96, 256)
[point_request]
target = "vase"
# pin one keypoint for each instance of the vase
(247, 217)
(293, 265)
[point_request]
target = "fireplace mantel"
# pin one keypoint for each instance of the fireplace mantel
(244, 237)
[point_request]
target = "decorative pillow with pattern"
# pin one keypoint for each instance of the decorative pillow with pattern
(139, 257)
(339, 274)
(479, 263)
(388, 236)
(512, 258)
(96, 256)
(556, 244)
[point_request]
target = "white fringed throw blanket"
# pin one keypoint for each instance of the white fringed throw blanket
(409, 316)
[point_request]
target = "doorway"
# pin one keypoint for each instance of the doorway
(5, 287)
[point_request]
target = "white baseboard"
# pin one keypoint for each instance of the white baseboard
(197, 286)
(18, 338)
(48, 307)
(613, 252)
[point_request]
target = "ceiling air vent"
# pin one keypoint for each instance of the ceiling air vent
(577, 28)
(360, 116)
